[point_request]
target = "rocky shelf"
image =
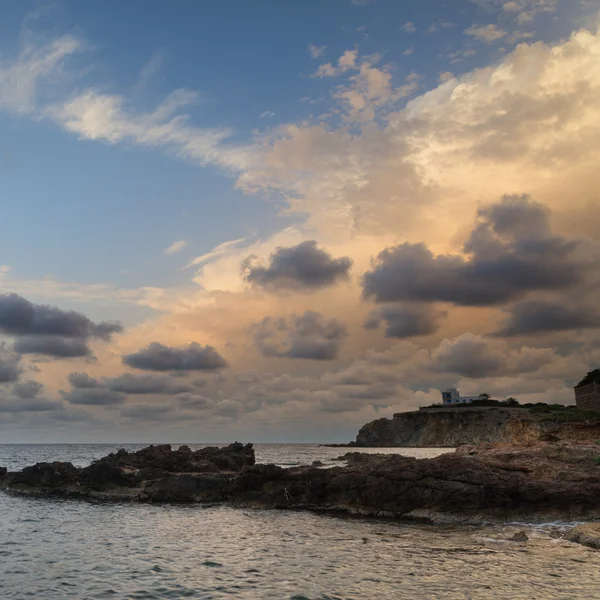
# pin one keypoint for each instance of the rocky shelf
(475, 483)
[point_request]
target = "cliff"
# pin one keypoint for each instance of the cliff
(451, 427)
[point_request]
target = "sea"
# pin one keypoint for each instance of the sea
(59, 549)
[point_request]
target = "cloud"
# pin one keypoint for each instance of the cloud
(92, 396)
(538, 316)
(510, 252)
(346, 62)
(146, 384)
(523, 11)
(92, 115)
(29, 404)
(48, 345)
(475, 357)
(193, 402)
(146, 410)
(27, 389)
(21, 80)
(267, 114)
(406, 321)
(408, 27)
(157, 357)
(316, 51)
(486, 33)
(216, 252)
(175, 247)
(82, 381)
(302, 267)
(308, 336)
(10, 365)
(18, 316)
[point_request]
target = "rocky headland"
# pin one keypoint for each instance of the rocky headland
(486, 482)
(451, 427)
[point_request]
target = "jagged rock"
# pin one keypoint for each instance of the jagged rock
(521, 536)
(46, 475)
(482, 483)
(162, 457)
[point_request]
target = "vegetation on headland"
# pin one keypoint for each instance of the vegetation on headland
(555, 412)
(591, 377)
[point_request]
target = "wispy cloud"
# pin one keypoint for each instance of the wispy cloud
(409, 27)
(175, 247)
(21, 78)
(96, 116)
(216, 252)
(316, 51)
(486, 33)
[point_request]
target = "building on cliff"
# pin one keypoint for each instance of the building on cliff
(452, 396)
(587, 392)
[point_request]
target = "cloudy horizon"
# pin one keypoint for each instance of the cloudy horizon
(277, 223)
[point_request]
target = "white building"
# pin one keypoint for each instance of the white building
(452, 396)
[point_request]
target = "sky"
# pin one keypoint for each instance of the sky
(277, 221)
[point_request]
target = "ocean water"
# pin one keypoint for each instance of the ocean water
(54, 549)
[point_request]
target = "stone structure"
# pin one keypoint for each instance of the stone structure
(587, 397)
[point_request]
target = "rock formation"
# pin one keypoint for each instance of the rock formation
(448, 427)
(484, 482)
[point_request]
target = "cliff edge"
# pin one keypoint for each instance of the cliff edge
(451, 427)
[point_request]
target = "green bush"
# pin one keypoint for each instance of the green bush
(597, 460)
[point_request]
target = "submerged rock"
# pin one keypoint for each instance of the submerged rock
(487, 482)
(587, 534)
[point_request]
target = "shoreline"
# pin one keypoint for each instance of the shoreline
(473, 485)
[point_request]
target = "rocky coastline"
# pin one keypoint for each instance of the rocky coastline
(449, 427)
(541, 481)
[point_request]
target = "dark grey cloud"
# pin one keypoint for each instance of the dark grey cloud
(510, 252)
(304, 266)
(477, 357)
(19, 316)
(27, 389)
(10, 364)
(94, 397)
(308, 336)
(146, 411)
(106, 329)
(194, 402)
(158, 357)
(48, 345)
(146, 384)
(376, 391)
(405, 321)
(15, 404)
(537, 316)
(83, 381)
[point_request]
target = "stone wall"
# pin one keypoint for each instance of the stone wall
(587, 397)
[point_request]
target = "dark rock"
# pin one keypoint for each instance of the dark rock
(46, 475)
(498, 482)
(102, 475)
(587, 534)
(521, 536)
(3, 472)
(316, 463)
(206, 460)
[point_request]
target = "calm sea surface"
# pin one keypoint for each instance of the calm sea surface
(53, 549)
